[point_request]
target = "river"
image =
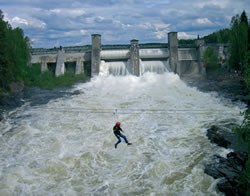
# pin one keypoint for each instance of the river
(66, 147)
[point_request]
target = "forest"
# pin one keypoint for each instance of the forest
(14, 54)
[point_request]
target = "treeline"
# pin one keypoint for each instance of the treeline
(239, 42)
(14, 54)
(237, 39)
(221, 36)
(15, 58)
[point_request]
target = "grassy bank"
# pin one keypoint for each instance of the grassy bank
(47, 80)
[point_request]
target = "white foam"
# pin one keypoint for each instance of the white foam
(67, 145)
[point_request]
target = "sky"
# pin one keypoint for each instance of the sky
(54, 23)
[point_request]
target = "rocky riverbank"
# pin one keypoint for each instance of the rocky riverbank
(226, 83)
(228, 170)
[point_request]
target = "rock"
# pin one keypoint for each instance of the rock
(16, 87)
(224, 137)
(229, 170)
(10, 101)
(222, 167)
(216, 135)
(237, 159)
(1, 118)
(225, 187)
(222, 82)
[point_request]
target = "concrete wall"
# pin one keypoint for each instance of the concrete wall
(187, 54)
(115, 54)
(46, 58)
(188, 60)
(173, 51)
(95, 54)
(134, 57)
(161, 53)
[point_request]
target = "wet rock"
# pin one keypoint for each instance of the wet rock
(77, 92)
(229, 170)
(225, 187)
(216, 135)
(16, 87)
(1, 118)
(226, 84)
(11, 101)
(224, 137)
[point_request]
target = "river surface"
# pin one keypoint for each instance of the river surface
(66, 147)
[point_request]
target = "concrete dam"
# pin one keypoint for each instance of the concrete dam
(135, 59)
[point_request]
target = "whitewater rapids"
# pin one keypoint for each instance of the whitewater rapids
(66, 147)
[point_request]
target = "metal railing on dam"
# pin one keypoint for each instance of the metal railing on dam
(85, 48)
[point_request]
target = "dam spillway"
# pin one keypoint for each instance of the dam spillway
(118, 62)
(134, 59)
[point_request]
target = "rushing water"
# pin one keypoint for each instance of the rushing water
(66, 147)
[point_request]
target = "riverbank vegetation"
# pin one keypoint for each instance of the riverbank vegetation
(47, 80)
(210, 59)
(14, 54)
(240, 61)
(14, 63)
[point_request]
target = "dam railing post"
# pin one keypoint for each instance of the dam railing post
(134, 57)
(60, 66)
(173, 52)
(200, 44)
(95, 54)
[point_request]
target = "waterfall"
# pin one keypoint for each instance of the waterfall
(156, 66)
(115, 68)
(122, 68)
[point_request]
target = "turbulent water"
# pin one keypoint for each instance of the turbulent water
(66, 147)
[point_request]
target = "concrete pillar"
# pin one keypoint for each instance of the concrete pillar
(173, 52)
(200, 44)
(79, 66)
(134, 57)
(96, 54)
(44, 65)
(60, 67)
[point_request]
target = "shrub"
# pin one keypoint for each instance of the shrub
(210, 59)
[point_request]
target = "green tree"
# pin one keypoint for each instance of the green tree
(244, 129)
(210, 58)
(14, 53)
(238, 41)
(221, 36)
(3, 59)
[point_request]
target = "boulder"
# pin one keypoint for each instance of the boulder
(16, 87)
(228, 170)
(216, 135)
(225, 187)
(224, 137)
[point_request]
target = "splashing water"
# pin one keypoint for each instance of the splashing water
(66, 147)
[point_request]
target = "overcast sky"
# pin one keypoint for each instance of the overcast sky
(50, 23)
